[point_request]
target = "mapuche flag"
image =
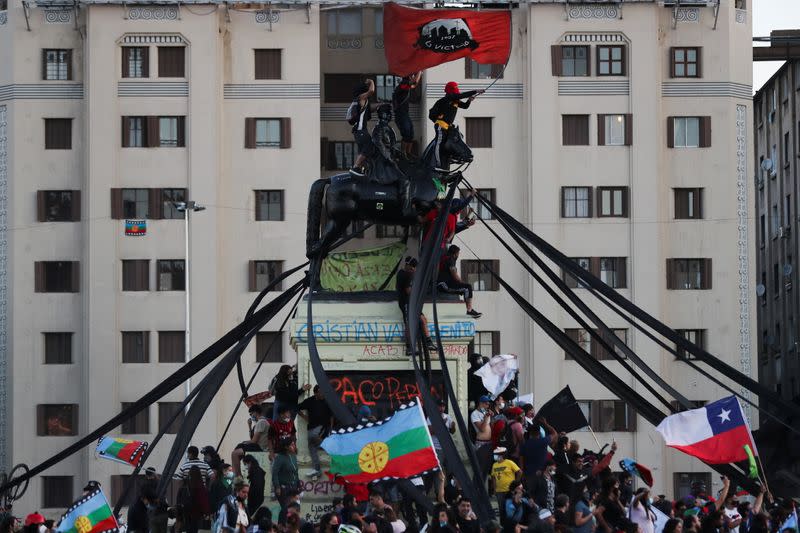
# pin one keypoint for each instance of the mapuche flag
(90, 514)
(716, 433)
(125, 451)
(416, 39)
(397, 447)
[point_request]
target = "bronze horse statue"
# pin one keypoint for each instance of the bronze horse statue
(346, 198)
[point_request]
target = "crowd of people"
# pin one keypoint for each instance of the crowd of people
(539, 480)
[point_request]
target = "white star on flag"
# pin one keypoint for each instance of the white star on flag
(724, 416)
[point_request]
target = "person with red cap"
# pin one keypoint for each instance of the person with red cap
(34, 523)
(443, 114)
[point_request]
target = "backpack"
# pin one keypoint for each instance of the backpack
(351, 116)
(506, 438)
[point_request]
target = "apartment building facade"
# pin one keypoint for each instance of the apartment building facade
(618, 131)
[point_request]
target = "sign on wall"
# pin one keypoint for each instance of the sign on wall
(135, 227)
(361, 270)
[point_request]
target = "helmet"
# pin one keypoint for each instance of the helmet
(451, 88)
(347, 528)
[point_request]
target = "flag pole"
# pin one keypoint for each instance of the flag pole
(595, 437)
(763, 473)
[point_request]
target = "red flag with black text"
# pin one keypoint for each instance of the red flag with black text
(416, 39)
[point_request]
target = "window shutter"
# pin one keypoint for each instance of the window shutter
(670, 274)
(595, 349)
(624, 60)
(249, 132)
(594, 413)
(126, 131)
(622, 272)
(251, 266)
(670, 132)
(672, 62)
(497, 71)
(601, 130)
(700, 62)
(286, 132)
(323, 152)
(143, 274)
(75, 215)
(40, 423)
(330, 157)
(116, 203)
(628, 129)
(705, 280)
(155, 209)
(594, 266)
(182, 131)
(41, 196)
(153, 132)
(698, 203)
(467, 69)
(705, 132)
(38, 276)
(44, 64)
(555, 56)
(588, 60)
(69, 64)
(146, 343)
(126, 57)
(75, 279)
(494, 285)
(495, 342)
(590, 207)
(563, 212)
(626, 199)
(145, 62)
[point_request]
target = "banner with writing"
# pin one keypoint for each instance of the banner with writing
(361, 270)
(382, 391)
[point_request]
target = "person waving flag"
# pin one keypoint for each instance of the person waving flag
(716, 433)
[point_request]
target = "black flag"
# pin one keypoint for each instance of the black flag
(563, 412)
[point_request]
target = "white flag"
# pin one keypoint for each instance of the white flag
(498, 372)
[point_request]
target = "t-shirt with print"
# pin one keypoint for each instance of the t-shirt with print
(504, 473)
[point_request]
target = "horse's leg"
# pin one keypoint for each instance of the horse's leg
(333, 230)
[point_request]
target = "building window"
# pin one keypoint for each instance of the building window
(262, 273)
(357, 228)
(139, 424)
(574, 61)
(474, 272)
(476, 71)
(787, 211)
(740, 4)
(613, 272)
(56, 420)
(135, 62)
(610, 60)
(486, 343)
(600, 353)
(341, 155)
(576, 202)
(682, 482)
(168, 131)
(479, 132)
(688, 274)
(695, 336)
(685, 62)
(57, 64)
(135, 346)
(384, 86)
(575, 130)
(134, 132)
(56, 276)
(58, 134)
(689, 132)
(57, 492)
(481, 210)
(269, 347)
(581, 337)
(611, 415)
(135, 203)
(774, 159)
(58, 348)
(267, 133)
(171, 275)
(171, 346)
(269, 205)
(787, 147)
(344, 22)
(135, 274)
(58, 206)
(389, 231)
(688, 203)
(339, 86)
(267, 63)
(168, 199)
(571, 281)
(171, 61)
(166, 410)
(612, 201)
(614, 130)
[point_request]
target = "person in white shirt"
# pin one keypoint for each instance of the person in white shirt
(732, 517)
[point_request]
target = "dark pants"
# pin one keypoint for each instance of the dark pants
(452, 287)
(364, 142)
(405, 125)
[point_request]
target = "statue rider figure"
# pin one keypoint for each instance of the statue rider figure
(384, 168)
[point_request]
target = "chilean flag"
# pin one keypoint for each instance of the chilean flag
(716, 433)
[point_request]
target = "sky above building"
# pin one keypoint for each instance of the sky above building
(771, 15)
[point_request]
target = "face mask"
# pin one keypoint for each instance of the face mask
(150, 507)
(501, 407)
(229, 475)
(650, 501)
(552, 471)
(497, 457)
(442, 524)
(286, 418)
(42, 528)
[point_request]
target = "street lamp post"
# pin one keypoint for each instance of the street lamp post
(186, 208)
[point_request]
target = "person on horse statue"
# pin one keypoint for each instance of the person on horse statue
(402, 116)
(443, 113)
(358, 114)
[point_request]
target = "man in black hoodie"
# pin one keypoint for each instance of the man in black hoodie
(443, 114)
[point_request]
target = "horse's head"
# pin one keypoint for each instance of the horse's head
(455, 147)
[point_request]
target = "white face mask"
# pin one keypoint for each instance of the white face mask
(42, 528)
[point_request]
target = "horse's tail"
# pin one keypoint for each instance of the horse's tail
(313, 227)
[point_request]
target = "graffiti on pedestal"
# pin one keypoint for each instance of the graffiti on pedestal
(382, 391)
(374, 332)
